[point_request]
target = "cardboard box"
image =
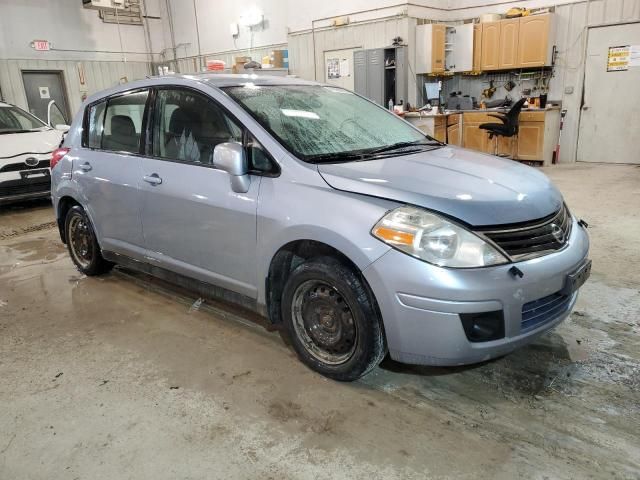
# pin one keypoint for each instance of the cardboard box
(238, 66)
(280, 58)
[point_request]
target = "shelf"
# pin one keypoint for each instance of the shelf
(391, 67)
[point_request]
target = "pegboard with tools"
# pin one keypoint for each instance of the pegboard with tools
(499, 85)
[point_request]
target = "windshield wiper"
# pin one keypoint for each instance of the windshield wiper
(335, 157)
(399, 145)
(369, 154)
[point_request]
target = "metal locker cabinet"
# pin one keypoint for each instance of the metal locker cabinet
(375, 76)
(401, 75)
(360, 72)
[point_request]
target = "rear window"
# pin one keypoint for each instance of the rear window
(96, 125)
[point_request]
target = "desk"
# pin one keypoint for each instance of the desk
(536, 140)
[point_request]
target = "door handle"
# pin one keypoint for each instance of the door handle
(85, 167)
(153, 179)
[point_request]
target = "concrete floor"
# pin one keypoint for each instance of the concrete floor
(116, 377)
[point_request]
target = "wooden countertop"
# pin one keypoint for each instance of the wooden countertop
(477, 110)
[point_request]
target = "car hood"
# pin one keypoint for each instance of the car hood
(14, 144)
(473, 187)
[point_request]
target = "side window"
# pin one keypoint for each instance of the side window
(96, 125)
(259, 159)
(187, 127)
(123, 122)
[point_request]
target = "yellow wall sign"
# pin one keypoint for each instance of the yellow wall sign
(618, 58)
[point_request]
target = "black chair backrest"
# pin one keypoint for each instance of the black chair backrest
(512, 115)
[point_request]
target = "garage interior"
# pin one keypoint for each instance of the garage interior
(130, 376)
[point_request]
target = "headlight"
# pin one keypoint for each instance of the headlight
(434, 239)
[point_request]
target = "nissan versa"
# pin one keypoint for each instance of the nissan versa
(322, 211)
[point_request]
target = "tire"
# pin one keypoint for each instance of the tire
(82, 243)
(332, 319)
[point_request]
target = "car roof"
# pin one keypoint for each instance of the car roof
(215, 80)
(5, 104)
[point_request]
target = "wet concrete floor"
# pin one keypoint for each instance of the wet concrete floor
(117, 377)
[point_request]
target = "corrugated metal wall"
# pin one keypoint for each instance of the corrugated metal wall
(98, 76)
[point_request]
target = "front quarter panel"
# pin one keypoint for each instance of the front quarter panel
(289, 211)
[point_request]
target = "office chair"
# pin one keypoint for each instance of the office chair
(509, 126)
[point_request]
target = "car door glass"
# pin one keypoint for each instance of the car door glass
(123, 122)
(188, 126)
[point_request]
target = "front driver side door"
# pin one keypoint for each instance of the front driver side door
(193, 223)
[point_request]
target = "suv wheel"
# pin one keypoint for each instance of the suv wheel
(332, 320)
(82, 244)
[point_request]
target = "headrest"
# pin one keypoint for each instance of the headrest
(122, 125)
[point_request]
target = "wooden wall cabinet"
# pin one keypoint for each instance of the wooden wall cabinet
(490, 45)
(477, 47)
(509, 36)
(459, 48)
(523, 42)
(535, 48)
(430, 46)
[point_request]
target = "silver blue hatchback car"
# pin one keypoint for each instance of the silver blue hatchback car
(322, 211)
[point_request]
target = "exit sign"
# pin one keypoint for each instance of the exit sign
(41, 45)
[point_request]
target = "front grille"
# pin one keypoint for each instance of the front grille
(17, 167)
(539, 312)
(533, 238)
(18, 188)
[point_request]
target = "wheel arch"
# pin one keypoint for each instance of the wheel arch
(65, 203)
(288, 257)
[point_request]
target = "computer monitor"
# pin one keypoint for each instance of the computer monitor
(432, 91)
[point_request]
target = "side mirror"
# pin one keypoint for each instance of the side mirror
(62, 128)
(230, 157)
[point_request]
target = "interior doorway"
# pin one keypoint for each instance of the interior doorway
(40, 88)
(611, 101)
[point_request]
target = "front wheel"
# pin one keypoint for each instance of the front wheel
(82, 243)
(332, 319)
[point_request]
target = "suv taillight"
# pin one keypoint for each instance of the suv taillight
(57, 155)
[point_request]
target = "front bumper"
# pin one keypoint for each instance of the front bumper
(19, 186)
(421, 303)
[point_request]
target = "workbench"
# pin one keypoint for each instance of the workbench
(536, 141)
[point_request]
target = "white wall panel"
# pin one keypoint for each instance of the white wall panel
(75, 33)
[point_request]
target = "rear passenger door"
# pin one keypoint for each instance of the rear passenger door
(108, 169)
(193, 222)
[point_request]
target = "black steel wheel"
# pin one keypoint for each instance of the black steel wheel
(82, 244)
(332, 319)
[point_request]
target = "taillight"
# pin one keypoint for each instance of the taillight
(58, 154)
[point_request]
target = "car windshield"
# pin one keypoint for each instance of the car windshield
(14, 120)
(322, 124)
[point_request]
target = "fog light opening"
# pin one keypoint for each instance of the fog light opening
(484, 326)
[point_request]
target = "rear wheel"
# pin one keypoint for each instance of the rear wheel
(332, 319)
(82, 243)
